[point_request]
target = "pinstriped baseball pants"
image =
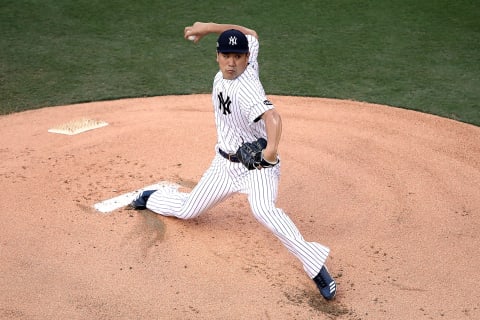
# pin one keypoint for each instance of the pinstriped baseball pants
(224, 178)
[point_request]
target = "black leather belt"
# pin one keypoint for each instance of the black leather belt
(230, 157)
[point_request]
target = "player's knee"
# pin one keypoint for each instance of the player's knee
(265, 213)
(187, 215)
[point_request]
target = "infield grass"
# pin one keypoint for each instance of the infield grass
(421, 55)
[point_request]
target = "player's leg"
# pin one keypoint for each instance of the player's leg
(262, 188)
(213, 187)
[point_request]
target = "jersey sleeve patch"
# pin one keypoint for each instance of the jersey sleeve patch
(259, 109)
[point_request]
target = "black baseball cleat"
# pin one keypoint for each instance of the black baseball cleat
(140, 202)
(326, 284)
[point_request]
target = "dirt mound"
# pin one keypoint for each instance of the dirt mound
(394, 193)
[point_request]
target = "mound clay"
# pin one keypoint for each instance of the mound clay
(394, 193)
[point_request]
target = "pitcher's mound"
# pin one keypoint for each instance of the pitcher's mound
(394, 193)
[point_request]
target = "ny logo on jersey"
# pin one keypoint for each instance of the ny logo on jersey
(224, 104)
(232, 41)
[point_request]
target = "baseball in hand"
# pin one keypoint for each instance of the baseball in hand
(191, 38)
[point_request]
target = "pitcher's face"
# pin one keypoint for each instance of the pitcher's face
(232, 64)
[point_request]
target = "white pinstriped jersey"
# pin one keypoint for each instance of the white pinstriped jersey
(238, 103)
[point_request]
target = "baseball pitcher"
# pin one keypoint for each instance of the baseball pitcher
(248, 133)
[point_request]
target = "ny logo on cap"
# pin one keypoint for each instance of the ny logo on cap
(232, 41)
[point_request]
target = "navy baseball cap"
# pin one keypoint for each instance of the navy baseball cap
(232, 41)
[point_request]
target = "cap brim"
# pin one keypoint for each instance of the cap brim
(232, 51)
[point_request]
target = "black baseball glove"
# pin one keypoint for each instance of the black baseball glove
(250, 154)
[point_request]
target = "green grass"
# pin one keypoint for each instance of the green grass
(421, 55)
